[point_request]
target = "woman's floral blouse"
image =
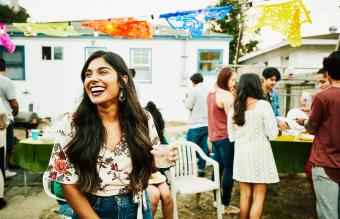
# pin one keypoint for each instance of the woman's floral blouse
(114, 167)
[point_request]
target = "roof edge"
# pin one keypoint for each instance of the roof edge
(305, 42)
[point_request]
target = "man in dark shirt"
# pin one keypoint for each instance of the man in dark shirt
(324, 120)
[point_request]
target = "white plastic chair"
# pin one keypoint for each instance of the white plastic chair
(184, 176)
(47, 184)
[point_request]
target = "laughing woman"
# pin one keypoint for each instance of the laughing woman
(102, 153)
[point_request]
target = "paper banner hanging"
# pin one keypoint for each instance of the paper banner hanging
(124, 27)
(194, 20)
(285, 18)
(51, 29)
(5, 39)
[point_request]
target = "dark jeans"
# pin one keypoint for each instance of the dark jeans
(200, 137)
(224, 155)
(9, 138)
(117, 207)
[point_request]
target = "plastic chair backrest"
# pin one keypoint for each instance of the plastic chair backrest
(186, 164)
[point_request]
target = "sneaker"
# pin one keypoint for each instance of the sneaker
(228, 210)
(231, 210)
(9, 174)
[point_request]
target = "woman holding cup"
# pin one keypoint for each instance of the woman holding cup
(102, 153)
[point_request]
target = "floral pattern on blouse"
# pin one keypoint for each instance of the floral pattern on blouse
(114, 167)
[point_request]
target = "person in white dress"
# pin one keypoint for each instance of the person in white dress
(252, 124)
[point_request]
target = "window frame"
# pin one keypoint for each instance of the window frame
(16, 64)
(62, 53)
(149, 80)
(52, 53)
(213, 72)
(86, 56)
(42, 53)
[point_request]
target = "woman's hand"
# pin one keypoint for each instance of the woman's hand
(173, 155)
(165, 156)
(282, 125)
(300, 121)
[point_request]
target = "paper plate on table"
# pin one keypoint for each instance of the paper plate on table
(306, 137)
(157, 178)
(294, 114)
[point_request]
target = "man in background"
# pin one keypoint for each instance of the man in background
(271, 76)
(8, 97)
(196, 103)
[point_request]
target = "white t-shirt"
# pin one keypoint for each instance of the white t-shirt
(7, 92)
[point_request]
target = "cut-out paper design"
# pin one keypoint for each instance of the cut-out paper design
(51, 29)
(123, 27)
(194, 20)
(285, 18)
(5, 40)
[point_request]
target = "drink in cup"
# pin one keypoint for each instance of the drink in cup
(161, 155)
(35, 134)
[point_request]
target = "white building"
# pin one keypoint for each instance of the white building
(297, 65)
(47, 69)
(308, 56)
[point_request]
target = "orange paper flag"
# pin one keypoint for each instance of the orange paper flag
(125, 27)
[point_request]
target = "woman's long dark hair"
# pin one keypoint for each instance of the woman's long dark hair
(158, 120)
(84, 148)
(248, 86)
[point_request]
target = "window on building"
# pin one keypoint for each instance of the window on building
(90, 50)
(15, 62)
(209, 61)
(48, 51)
(140, 60)
(58, 53)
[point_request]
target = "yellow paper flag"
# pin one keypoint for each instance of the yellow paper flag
(51, 29)
(285, 18)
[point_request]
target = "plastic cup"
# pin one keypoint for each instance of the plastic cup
(35, 134)
(161, 155)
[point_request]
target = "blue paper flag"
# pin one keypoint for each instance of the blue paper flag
(194, 20)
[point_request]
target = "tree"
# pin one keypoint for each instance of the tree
(231, 25)
(8, 15)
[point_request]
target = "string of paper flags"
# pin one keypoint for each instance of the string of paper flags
(284, 17)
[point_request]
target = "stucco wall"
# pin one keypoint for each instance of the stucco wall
(54, 86)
